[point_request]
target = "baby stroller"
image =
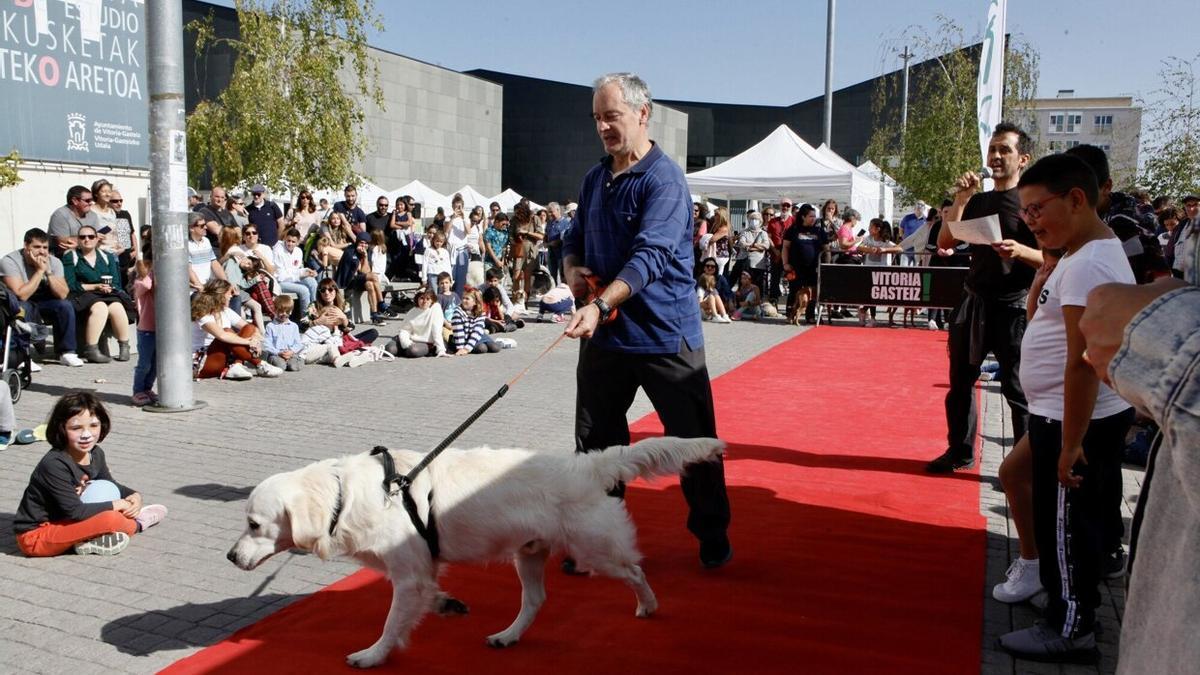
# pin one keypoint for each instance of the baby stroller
(17, 370)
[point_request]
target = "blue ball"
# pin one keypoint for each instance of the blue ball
(100, 491)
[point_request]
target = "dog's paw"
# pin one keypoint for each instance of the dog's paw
(368, 658)
(500, 641)
(646, 610)
(447, 606)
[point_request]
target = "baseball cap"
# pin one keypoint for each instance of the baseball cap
(257, 188)
(363, 236)
(572, 207)
(192, 192)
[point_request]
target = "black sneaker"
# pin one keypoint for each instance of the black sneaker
(1113, 564)
(715, 552)
(948, 462)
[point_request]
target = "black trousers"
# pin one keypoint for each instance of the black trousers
(679, 388)
(1004, 328)
(1071, 526)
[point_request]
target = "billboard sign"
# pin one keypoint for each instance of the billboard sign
(892, 286)
(73, 81)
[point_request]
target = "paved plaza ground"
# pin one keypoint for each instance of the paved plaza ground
(172, 592)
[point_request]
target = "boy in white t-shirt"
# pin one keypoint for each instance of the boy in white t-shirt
(1077, 425)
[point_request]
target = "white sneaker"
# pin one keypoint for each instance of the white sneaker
(721, 318)
(238, 371)
(870, 322)
(267, 370)
(70, 359)
(343, 359)
(933, 325)
(35, 367)
(1022, 582)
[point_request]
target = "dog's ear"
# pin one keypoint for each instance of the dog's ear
(310, 510)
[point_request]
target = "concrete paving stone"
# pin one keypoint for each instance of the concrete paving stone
(202, 636)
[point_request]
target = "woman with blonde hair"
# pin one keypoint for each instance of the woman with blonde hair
(716, 244)
(224, 344)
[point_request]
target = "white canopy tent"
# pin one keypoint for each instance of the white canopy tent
(887, 189)
(424, 195)
(472, 198)
(784, 165)
(509, 198)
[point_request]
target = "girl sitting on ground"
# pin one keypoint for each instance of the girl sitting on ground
(421, 329)
(72, 500)
(493, 311)
(225, 345)
(711, 305)
(470, 328)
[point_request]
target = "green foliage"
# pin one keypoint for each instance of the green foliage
(287, 118)
(8, 170)
(940, 141)
(1172, 139)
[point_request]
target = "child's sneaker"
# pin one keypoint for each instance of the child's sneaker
(150, 516)
(6, 438)
(106, 544)
(267, 370)
(359, 357)
(143, 398)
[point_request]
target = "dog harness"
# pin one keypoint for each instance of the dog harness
(394, 482)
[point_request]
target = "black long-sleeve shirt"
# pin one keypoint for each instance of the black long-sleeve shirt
(51, 494)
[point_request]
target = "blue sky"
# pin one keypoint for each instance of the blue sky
(773, 51)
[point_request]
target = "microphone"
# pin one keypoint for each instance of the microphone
(983, 173)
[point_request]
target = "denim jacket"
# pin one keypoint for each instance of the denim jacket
(1157, 369)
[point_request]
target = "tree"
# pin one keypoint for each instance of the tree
(287, 117)
(940, 141)
(1172, 139)
(8, 170)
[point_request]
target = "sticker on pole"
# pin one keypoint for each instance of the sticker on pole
(177, 173)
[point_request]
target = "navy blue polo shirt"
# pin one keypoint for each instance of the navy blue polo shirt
(354, 214)
(266, 219)
(637, 227)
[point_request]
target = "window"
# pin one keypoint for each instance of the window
(1106, 148)
(1056, 124)
(1074, 123)
(1103, 124)
(1071, 144)
(1068, 123)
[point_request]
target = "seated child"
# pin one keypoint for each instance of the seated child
(492, 278)
(421, 330)
(282, 345)
(72, 500)
(711, 305)
(470, 328)
(557, 302)
(498, 321)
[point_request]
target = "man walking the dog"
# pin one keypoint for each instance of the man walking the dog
(631, 241)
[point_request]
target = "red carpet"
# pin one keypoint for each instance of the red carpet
(848, 558)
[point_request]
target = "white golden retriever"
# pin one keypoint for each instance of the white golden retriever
(488, 503)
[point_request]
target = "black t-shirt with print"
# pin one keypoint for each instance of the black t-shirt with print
(991, 277)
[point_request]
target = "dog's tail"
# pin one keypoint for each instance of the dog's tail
(663, 456)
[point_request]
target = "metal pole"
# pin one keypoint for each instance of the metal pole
(169, 205)
(829, 75)
(904, 95)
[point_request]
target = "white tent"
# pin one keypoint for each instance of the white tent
(424, 195)
(509, 198)
(887, 189)
(472, 198)
(783, 165)
(697, 199)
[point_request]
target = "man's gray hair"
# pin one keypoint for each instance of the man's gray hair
(634, 90)
(555, 207)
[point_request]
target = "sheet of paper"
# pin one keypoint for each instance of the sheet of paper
(982, 231)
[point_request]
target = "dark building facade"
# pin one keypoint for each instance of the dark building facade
(549, 139)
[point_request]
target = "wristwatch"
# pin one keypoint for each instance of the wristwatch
(606, 312)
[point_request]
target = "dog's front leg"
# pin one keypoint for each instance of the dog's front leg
(410, 601)
(531, 568)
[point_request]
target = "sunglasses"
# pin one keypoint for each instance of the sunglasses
(86, 201)
(87, 236)
(329, 290)
(116, 201)
(250, 233)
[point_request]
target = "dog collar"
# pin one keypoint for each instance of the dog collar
(337, 507)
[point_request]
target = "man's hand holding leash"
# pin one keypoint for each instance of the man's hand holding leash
(600, 302)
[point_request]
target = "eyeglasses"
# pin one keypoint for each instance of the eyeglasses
(116, 201)
(1034, 210)
(196, 225)
(250, 233)
(86, 201)
(87, 236)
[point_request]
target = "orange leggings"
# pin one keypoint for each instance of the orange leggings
(50, 539)
(221, 355)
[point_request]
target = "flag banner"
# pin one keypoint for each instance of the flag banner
(989, 94)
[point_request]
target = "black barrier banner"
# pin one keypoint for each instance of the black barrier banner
(73, 81)
(892, 286)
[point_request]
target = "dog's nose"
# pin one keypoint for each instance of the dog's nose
(231, 557)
